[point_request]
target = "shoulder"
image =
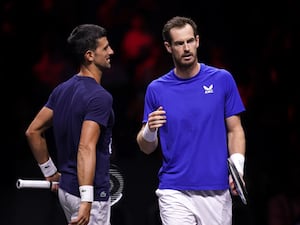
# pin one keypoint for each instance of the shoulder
(165, 78)
(65, 84)
(214, 70)
(100, 94)
(218, 74)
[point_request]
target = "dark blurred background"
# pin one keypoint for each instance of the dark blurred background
(257, 41)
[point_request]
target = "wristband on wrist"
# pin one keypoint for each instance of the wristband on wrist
(86, 193)
(48, 168)
(238, 160)
(149, 135)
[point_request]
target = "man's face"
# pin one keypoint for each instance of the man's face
(184, 45)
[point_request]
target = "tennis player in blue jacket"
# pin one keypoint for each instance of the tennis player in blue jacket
(193, 111)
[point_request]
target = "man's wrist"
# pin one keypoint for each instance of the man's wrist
(238, 160)
(86, 193)
(149, 135)
(48, 168)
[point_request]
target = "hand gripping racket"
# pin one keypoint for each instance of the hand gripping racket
(238, 181)
(116, 184)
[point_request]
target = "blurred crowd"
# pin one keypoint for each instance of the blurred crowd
(257, 43)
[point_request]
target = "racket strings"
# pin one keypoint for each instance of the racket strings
(116, 184)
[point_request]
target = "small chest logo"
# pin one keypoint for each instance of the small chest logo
(208, 90)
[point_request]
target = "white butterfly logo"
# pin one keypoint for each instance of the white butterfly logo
(208, 89)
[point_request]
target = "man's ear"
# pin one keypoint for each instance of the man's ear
(198, 40)
(168, 46)
(89, 55)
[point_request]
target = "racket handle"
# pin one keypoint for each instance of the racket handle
(43, 184)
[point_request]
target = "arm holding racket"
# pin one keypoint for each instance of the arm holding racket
(51, 175)
(116, 184)
(236, 181)
(237, 150)
(238, 160)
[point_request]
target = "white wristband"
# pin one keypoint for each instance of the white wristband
(238, 160)
(86, 193)
(48, 168)
(148, 135)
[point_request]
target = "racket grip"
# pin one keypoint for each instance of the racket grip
(43, 184)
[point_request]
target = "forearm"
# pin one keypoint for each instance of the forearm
(86, 160)
(39, 149)
(146, 146)
(35, 134)
(237, 142)
(147, 136)
(237, 148)
(38, 146)
(86, 164)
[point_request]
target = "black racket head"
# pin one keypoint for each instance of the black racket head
(116, 184)
(240, 186)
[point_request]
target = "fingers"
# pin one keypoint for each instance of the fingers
(157, 118)
(232, 186)
(54, 181)
(82, 218)
(54, 186)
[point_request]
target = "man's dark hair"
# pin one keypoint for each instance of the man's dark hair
(83, 38)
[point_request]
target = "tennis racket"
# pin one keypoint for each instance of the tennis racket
(238, 181)
(116, 184)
